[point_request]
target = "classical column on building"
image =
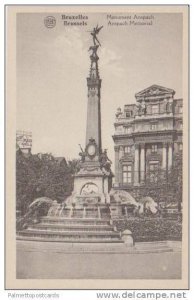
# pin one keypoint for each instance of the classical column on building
(164, 156)
(116, 165)
(142, 162)
(121, 154)
(136, 165)
(170, 145)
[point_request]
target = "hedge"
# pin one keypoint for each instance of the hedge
(152, 229)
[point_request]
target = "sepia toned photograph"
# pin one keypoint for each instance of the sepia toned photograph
(97, 147)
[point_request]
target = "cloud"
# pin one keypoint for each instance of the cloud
(69, 45)
(109, 58)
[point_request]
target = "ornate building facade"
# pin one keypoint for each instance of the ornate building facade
(147, 136)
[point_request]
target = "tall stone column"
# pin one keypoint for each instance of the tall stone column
(142, 163)
(136, 165)
(169, 156)
(164, 155)
(93, 127)
(116, 165)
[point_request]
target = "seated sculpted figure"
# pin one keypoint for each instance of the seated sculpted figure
(105, 161)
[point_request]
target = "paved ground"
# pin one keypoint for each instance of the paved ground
(39, 260)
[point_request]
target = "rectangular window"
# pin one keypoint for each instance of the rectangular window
(119, 129)
(155, 109)
(154, 126)
(127, 174)
(180, 147)
(154, 148)
(128, 129)
(129, 114)
(153, 167)
(180, 109)
(127, 149)
(153, 171)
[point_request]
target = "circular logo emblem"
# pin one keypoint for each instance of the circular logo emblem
(50, 21)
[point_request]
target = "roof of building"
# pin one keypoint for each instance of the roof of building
(60, 159)
(154, 90)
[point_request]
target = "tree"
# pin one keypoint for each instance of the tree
(166, 187)
(155, 186)
(40, 175)
(175, 180)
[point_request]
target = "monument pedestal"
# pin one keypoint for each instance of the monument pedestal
(92, 185)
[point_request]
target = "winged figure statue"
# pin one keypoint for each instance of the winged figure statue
(94, 33)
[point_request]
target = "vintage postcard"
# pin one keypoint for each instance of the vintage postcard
(97, 147)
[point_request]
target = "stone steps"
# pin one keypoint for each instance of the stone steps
(88, 241)
(65, 213)
(69, 233)
(73, 227)
(77, 213)
(71, 230)
(69, 236)
(77, 221)
(80, 213)
(91, 214)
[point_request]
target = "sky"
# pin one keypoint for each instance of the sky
(53, 64)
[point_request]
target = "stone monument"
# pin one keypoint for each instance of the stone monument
(85, 216)
(94, 180)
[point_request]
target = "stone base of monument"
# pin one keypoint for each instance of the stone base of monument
(71, 230)
(83, 227)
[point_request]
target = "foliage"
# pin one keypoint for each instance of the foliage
(152, 229)
(168, 186)
(41, 175)
(175, 180)
(36, 209)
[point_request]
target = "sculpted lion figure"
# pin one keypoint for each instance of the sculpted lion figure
(144, 205)
(37, 208)
(147, 204)
(123, 197)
